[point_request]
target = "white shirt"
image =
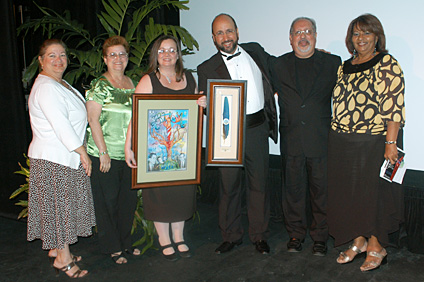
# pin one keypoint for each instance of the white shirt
(58, 122)
(243, 67)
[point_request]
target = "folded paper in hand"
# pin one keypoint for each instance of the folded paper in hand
(394, 172)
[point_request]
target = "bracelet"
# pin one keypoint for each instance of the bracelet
(103, 153)
(390, 142)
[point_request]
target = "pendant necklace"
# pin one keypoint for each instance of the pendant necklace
(116, 81)
(167, 78)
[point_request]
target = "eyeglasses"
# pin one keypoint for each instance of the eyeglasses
(170, 51)
(114, 55)
(227, 32)
(306, 32)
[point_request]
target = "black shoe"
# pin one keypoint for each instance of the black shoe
(319, 249)
(227, 246)
(185, 254)
(294, 245)
(171, 257)
(262, 247)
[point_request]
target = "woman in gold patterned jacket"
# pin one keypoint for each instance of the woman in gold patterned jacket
(366, 129)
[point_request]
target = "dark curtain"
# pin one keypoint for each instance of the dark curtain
(13, 116)
(414, 210)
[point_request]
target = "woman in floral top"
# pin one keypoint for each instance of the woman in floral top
(368, 115)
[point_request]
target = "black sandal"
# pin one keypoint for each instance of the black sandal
(117, 256)
(131, 252)
(185, 254)
(171, 257)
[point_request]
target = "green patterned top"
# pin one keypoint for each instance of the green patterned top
(368, 95)
(114, 118)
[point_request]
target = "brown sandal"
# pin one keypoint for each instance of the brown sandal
(76, 274)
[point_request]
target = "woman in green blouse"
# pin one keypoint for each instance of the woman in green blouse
(368, 114)
(109, 112)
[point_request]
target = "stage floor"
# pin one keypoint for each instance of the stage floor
(25, 261)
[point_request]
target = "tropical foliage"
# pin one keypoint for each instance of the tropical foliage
(22, 189)
(120, 17)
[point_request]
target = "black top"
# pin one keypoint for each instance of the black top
(158, 88)
(305, 75)
(348, 67)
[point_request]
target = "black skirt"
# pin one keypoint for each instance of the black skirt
(360, 203)
(169, 204)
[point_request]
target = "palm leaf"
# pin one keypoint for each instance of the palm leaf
(31, 70)
(23, 213)
(23, 188)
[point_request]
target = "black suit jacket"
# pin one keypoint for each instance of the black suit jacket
(304, 121)
(215, 68)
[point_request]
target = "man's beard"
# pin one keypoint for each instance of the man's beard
(305, 49)
(232, 48)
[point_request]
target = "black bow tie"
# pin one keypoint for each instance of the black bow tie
(232, 56)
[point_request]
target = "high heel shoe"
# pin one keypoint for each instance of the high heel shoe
(76, 274)
(380, 259)
(171, 257)
(359, 252)
(184, 254)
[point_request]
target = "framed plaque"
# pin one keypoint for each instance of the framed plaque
(167, 140)
(226, 115)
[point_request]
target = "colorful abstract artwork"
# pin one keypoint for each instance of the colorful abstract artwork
(167, 140)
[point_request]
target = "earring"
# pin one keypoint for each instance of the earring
(354, 53)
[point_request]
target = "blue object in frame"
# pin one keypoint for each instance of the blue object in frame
(225, 118)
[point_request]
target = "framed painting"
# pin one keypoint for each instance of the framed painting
(166, 140)
(226, 117)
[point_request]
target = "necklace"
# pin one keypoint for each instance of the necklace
(116, 81)
(167, 78)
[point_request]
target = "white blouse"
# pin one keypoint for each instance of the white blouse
(58, 122)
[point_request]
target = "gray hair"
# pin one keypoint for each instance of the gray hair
(312, 21)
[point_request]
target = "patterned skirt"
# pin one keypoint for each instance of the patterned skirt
(60, 204)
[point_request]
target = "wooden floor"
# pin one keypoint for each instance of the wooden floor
(25, 261)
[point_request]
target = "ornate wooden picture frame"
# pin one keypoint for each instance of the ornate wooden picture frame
(226, 115)
(166, 139)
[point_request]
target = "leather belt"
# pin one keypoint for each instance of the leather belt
(255, 119)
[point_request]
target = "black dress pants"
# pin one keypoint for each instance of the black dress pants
(114, 204)
(299, 174)
(257, 192)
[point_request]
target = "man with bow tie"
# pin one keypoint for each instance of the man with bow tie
(247, 61)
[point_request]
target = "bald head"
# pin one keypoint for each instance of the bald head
(225, 33)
